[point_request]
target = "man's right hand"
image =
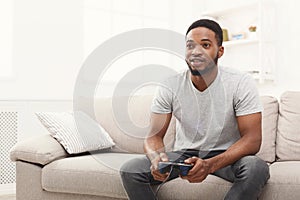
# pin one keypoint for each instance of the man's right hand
(154, 166)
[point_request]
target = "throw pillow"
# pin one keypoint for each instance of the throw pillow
(78, 136)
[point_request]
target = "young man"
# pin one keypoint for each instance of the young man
(218, 128)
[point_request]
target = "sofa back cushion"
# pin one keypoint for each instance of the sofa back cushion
(127, 120)
(288, 135)
(269, 128)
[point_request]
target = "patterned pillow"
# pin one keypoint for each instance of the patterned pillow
(78, 136)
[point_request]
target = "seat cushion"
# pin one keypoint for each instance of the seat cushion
(285, 173)
(288, 135)
(96, 174)
(284, 182)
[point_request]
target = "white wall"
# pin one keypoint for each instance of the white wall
(51, 38)
(105, 19)
(6, 33)
(47, 49)
(288, 68)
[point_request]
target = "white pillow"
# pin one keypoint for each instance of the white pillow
(76, 137)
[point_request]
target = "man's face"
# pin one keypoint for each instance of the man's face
(202, 50)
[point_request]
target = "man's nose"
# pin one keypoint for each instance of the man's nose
(197, 50)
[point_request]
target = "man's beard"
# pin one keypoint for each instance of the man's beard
(210, 67)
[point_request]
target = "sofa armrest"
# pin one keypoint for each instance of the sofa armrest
(41, 149)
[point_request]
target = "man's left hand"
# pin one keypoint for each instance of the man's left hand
(200, 170)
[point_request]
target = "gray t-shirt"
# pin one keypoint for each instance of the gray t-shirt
(206, 121)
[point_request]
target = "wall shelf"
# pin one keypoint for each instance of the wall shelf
(232, 43)
(253, 52)
(217, 13)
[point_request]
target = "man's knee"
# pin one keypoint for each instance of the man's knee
(133, 168)
(255, 168)
(124, 170)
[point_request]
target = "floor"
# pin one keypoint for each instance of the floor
(8, 197)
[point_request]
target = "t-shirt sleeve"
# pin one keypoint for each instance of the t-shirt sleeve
(162, 101)
(246, 100)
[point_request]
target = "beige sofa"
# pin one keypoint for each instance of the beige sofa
(45, 171)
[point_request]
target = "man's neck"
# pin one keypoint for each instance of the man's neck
(202, 82)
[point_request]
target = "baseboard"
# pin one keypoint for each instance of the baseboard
(7, 189)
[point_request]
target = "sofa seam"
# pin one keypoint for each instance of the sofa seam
(78, 171)
(49, 156)
(26, 152)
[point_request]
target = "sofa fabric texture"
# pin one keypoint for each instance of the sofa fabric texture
(129, 125)
(269, 128)
(42, 150)
(75, 131)
(45, 171)
(288, 135)
(88, 174)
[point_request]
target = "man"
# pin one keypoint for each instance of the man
(218, 130)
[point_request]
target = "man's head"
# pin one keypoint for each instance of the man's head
(203, 46)
(212, 25)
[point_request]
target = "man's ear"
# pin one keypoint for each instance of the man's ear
(221, 51)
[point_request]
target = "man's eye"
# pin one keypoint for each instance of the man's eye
(190, 46)
(206, 45)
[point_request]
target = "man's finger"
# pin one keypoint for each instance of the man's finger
(159, 176)
(156, 172)
(191, 160)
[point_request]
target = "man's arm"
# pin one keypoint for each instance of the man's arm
(248, 144)
(153, 144)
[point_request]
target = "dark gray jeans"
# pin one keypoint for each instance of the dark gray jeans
(248, 175)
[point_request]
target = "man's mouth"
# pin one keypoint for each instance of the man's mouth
(196, 61)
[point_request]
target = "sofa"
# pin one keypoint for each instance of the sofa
(45, 171)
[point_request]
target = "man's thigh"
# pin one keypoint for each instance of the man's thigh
(247, 163)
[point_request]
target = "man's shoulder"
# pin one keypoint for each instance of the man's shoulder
(232, 75)
(232, 72)
(177, 79)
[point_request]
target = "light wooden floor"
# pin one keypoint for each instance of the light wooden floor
(8, 197)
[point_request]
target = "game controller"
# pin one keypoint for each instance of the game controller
(183, 168)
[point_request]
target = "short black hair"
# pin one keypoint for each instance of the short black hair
(210, 24)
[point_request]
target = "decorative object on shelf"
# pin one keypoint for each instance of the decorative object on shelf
(252, 33)
(225, 34)
(238, 36)
(252, 28)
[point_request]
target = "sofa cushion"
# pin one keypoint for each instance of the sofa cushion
(41, 149)
(95, 174)
(288, 135)
(285, 173)
(284, 182)
(269, 128)
(98, 174)
(127, 120)
(138, 110)
(76, 136)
